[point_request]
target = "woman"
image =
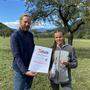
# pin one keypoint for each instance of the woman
(63, 59)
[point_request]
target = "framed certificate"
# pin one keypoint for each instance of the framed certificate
(40, 60)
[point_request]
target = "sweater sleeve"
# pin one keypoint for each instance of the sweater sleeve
(73, 59)
(16, 53)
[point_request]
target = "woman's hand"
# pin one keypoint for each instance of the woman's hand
(64, 62)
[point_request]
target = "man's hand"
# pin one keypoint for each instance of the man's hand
(30, 73)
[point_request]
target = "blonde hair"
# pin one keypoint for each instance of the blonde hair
(25, 15)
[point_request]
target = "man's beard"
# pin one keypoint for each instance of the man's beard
(26, 28)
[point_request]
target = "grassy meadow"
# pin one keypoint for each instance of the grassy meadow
(80, 75)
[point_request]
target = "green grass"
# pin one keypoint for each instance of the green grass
(80, 75)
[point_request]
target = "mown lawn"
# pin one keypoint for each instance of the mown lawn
(80, 75)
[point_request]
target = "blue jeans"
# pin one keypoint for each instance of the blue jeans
(22, 82)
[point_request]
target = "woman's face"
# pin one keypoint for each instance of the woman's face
(59, 39)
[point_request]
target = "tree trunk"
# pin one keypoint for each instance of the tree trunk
(70, 38)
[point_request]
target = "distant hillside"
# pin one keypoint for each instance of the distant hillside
(3, 26)
(5, 30)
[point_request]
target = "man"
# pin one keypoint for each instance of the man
(22, 45)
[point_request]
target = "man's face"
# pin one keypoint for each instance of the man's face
(58, 36)
(25, 23)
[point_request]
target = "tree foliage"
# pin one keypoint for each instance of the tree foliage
(62, 13)
(5, 30)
